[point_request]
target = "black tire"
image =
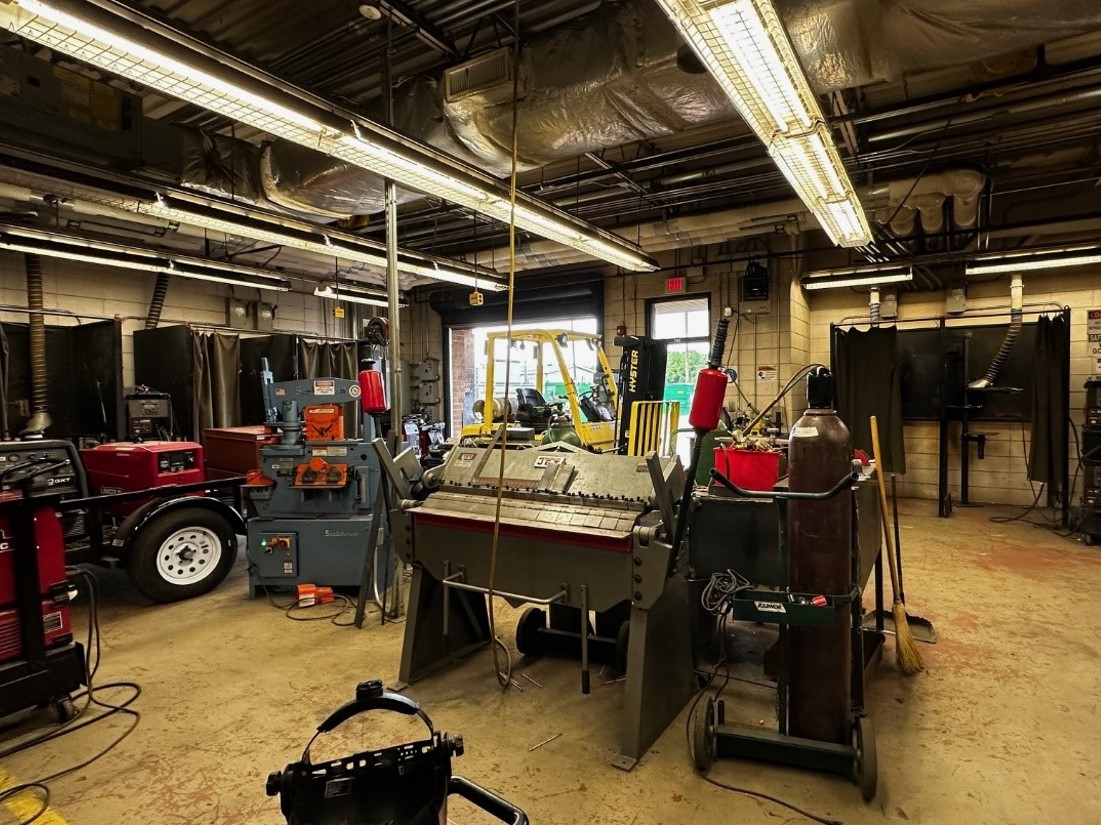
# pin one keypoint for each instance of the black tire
(168, 543)
(527, 631)
(867, 769)
(622, 640)
(703, 735)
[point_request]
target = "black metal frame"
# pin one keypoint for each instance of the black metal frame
(779, 746)
(949, 414)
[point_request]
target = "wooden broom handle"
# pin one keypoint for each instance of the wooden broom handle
(881, 483)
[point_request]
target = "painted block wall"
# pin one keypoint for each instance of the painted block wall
(1002, 476)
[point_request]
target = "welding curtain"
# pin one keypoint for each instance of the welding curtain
(1047, 456)
(867, 367)
(216, 364)
(325, 359)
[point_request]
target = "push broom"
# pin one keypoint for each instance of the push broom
(906, 649)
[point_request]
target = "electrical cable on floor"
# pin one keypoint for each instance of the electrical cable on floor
(504, 675)
(346, 602)
(93, 658)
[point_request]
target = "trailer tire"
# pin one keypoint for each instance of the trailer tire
(181, 554)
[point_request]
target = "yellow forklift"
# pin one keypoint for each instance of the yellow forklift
(582, 418)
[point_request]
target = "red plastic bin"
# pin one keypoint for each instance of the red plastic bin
(749, 469)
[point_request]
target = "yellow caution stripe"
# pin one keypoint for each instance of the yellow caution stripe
(26, 804)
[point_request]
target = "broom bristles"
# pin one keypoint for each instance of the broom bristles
(906, 649)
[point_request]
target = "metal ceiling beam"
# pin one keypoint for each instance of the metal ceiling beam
(426, 31)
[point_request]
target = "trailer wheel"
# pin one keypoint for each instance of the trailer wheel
(181, 554)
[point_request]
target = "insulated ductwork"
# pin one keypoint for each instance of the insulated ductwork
(909, 202)
(848, 43)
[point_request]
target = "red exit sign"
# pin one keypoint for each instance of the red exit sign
(675, 284)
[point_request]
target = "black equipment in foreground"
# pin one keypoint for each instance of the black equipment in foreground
(406, 784)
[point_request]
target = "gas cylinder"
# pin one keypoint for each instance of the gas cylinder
(820, 562)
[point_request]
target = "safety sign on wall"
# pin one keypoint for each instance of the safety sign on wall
(1093, 337)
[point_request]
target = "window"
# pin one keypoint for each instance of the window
(685, 325)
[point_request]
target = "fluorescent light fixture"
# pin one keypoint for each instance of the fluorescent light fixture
(344, 292)
(1031, 260)
(745, 47)
(857, 276)
(85, 250)
(117, 44)
(307, 237)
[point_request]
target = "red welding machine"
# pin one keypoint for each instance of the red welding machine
(126, 466)
(53, 585)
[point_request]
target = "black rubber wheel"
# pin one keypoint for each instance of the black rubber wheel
(1089, 539)
(866, 768)
(182, 554)
(703, 735)
(527, 631)
(622, 639)
(64, 710)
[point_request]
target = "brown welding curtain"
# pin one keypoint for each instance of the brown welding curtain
(325, 359)
(216, 389)
(1047, 456)
(867, 367)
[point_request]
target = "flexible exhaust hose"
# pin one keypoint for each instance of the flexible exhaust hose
(1016, 322)
(36, 335)
(873, 306)
(156, 303)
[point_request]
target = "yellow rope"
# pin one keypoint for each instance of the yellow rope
(504, 675)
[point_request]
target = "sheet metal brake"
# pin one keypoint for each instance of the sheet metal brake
(584, 538)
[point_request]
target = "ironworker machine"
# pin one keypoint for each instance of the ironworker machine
(316, 488)
(580, 534)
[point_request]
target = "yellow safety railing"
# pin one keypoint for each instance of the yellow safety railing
(654, 427)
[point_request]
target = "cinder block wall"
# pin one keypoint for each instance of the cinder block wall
(97, 292)
(1002, 476)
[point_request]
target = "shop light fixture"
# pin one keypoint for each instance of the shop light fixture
(119, 45)
(857, 276)
(85, 250)
(1031, 260)
(745, 47)
(345, 292)
(307, 237)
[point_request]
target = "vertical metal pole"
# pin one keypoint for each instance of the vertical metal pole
(585, 685)
(392, 284)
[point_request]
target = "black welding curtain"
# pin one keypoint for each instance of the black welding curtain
(324, 359)
(3, 383)
(1047, 456)
(868, 366)
(216, 362)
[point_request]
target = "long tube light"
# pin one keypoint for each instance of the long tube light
(1031, 260)
(73, 248)
(344, 292)
(745, 47)
(118, 46)
(301, 235)
(857, 276)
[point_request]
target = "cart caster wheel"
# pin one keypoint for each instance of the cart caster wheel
(703, 736)
(865, 768)
(64, 710)
(1089, 539)
(622, 639)
(527, 631)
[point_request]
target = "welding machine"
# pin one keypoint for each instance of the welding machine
(126, 466)
(316, 488)
(407, 784)
(39, 662)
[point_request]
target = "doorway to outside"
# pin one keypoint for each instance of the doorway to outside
(684, 324)
(469, 361)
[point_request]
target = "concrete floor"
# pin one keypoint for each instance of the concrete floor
(1003, 727)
